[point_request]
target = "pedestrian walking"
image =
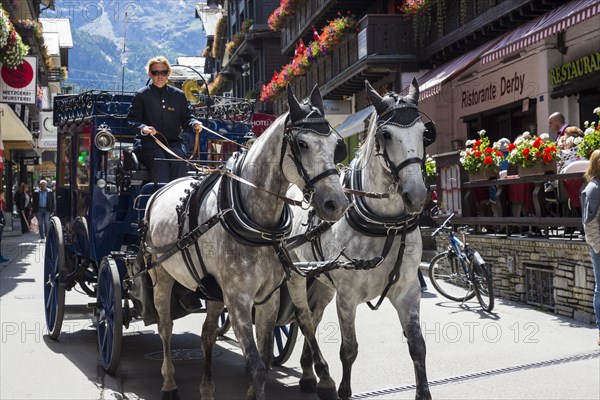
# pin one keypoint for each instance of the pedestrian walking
(2, 223)
(23, 202)
(590, 204)
(159, 112)
(43, 207)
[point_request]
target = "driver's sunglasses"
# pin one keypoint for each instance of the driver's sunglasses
(160, 73)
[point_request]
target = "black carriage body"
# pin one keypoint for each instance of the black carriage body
(96, 219)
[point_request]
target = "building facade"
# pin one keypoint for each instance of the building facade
(27, 134)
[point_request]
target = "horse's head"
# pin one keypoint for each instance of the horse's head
(400, 141)
(310, 153)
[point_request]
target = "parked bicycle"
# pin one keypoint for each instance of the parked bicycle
(460, 273)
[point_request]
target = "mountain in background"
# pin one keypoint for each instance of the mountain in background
(148, 28)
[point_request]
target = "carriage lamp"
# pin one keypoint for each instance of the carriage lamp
(104, 140)
(101, 183)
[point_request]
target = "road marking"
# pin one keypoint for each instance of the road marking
(476, 375)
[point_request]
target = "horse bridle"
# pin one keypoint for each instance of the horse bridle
(394, 169)
(289, 139)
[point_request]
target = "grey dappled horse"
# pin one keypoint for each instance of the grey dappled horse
(299, 149)
(389, 160)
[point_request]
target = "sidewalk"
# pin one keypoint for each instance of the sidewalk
(16, 247)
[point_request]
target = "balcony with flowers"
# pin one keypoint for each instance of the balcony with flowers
(342, 55)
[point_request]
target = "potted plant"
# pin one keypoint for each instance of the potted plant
(591, 138)
(481, 159)
(533, 155)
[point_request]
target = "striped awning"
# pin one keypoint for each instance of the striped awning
(431, 82)
(540, 28)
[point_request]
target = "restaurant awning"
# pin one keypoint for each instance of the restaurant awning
(431, 82)
(540, 28)
(354, 123)
(11, 127)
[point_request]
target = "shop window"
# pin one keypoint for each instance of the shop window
(83, 162)
(64, 173)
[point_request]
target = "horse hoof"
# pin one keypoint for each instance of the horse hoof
(344, 394)
(327, 393)
(170, 395)
(308, 385)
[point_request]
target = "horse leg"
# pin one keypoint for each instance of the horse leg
(326, 386)
(320, 296)
(407, 302)
(163, 284)
(346, 311)
(265, 317)
(209, 337)
(240, 312)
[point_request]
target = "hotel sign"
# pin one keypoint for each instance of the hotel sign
(575, 69)
(19, 85)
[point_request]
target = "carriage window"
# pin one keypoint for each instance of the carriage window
(83, 162)
(64, 174)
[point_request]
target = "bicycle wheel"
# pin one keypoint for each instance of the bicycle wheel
(448, 278)
(484, 289)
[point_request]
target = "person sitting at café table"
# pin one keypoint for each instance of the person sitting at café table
(568, 146)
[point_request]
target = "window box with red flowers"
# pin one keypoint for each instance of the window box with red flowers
(277, 18)
(330, 37)
(533, 155)
(481, 159)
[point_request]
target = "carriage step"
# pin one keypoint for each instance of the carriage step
(93, 305)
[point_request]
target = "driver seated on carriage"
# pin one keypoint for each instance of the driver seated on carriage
(158, 113)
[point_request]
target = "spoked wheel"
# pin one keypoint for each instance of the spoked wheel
(54, 285)
(223, 324)
(448, 278)
(484, 289)
(285, 340)
(110, 314)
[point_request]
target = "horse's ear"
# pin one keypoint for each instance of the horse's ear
(292, 101)
(413, 91)
(317, 100)
(373, 95)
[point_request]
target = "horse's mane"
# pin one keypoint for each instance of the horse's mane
(362, 155)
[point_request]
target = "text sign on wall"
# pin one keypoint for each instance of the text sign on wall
(48, 132)
(492, 91)
(19, 85)
(575, 69)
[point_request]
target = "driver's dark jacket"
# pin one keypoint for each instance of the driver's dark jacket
(166, 109)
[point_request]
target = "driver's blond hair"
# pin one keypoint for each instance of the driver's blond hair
(158, 60)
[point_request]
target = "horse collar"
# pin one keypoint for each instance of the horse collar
(360, 218)
(238, 223)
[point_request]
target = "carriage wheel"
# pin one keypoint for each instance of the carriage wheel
(54, 285)
(285, 339)
(223, 324)
(110, 314)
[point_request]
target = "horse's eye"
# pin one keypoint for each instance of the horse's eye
(302, 144)
(387, 135)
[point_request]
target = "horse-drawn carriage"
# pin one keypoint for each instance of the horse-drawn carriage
(150, 252)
